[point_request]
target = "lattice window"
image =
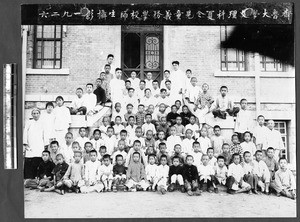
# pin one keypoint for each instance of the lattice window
(48, 47)
(270, 64)
(152, 52)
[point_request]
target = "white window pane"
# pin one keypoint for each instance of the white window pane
(39, 31)
(48, 50)
(231, 55)
(48, 31)
(48, 64)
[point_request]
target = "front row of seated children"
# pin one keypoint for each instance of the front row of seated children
(141, 173)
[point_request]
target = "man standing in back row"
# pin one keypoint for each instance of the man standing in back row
(177, 78)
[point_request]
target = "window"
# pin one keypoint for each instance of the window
(47, 47)
(281, 127)
(270, 64)
(231, 59)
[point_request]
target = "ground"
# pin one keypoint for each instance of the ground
(149, 204)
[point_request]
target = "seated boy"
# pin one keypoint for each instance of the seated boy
(131, 99)
(58, 173)
(187, 143)
(86, 153)
(163, 151)
(91, 176)
(119, 173)
(74, 177)
(272, 164)
(76, 107)
(226, 153)
(129, 112)
(97, 141)
(82, 139)
(149, 140)
(250, 174)
(194, 127)
(217, 140)
(44, 175)
(137, 148)
(136, 176)
(118, 126)
(148, 125)
(190, 177)
(224, 105)
(162, 175)
(221, 172)
(206, 174)
(175, 175)
(140, 115)
(151, 172)
(179, 127)
(212, 160)
(262, 172)
(196, 154)
(89, 99)
(172, 140)
(178, 153)
(284, 183)
(54, 150)
(106, 173)
(235, 182)
(171, 117)
(120, 151)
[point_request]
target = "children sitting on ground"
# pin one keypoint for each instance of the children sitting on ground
(226, 153)
(106, 173)
(262, 171)
(221, 173)
(206, 174)
(190, 177)
(284, 183)
(175, 175)
(151, 172)
(248, 145)
(212, 160)
(119, 173)
(91, 175)
(74, 177)
(217, 140)
(162, 175)
(250, 175)
(136, 176)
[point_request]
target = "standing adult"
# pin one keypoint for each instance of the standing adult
(117, 86)
(33, 143)
(273, 139)
(177, 78)
(100, 92)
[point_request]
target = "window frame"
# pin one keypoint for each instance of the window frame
(276, 63)
(238, 54)
(55, 39)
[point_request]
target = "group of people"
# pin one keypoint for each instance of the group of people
(156, 140)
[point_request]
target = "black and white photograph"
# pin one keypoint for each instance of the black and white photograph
(158, 110)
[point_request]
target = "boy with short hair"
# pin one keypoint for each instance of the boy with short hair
(260, 133)
(196, 154)
(204, 141)
(82, 139)
(140, 115)
(175, 175)
(272, 164)
(134, 80)
(185, 115)
(137, 148)
(190, 177)
(161, 139)
(248, 145)
(97, 141)
(110, 140)
(102, 152)
(193, 126)
(74, 177)
(76, 107)
(224, 105)
(217, 140)
(66, 149)
(129, 108)
(284, 183)
(206, 174)
(130, 128)
(235, 146)
(162, 175)
(105, 124)
(178, 153)
(163, 151)
(91, 177)
(105, 173)
(62, 120)
(151, 172)
(139, 136)
(212, 160)
(221, 172)
(140, 92)
(88, 146)
(121, 151)
(187, 143)
(226, 154)
(131, 98)
(136, 176)
(250, 175)
(148, 125)
(179, 127)
(89, 99)
(44, 175)
(118, 126)
(192, 93)
(119, 173)
(243, 121)
(235, 182)
(149, 140)
(117, 112)
(172, 140)
(54, 150)
(149, 80)
(171, 117)
(163, 126)
(262, 172)
(155, 89)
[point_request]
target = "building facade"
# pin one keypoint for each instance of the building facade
(61, 58)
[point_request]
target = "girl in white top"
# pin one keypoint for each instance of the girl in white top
(48, 120)
(248, 145)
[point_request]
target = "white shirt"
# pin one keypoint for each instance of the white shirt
(193, 127)
(171, 142)
(274, 140)
(221, 174)
(97, 144)
(146, 127)
(248, 167)
(151, 171)
(115, 114)
(217, 143)
(243, 121)
(193, 92)
(250, 146)
(212, 162)
(62, 118)
(162, 171)
(130, 131)
(118, 129)
(34, 137)
(110, 143)
(187, 84)
(165, 101)
(141, 139)
(105, 170)
(205, 171)
(204, 143)
(178, 79)
(118, 152)
(68, 153)
(222, 103)
(148, 101)
(236, 171)
(187, 145)
(197, 158)
(82, 141)
(48, 123)
(260, 134)
(133, 101)
(91, 171)
(261, 168)
(155, 92)
(149, 84)
(117, 88)
(77, 103)
(134, 82)
(89, 101)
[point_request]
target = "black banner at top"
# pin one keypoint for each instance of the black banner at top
(157, 14)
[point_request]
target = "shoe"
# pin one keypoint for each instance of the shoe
(190, 193)
(133, 189)
(209, 190)
(77, 190)
(254, 191)
(108, 190)
(278, 194)
(150, 188)
(42, 189)
(182, 189)
(114, 188)
(198, 192)
(216, 190)
(171, 188)
(231, 191)
(163, 191)
(62, 192)
(250, 192)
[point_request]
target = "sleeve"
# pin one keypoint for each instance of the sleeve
(68, 116)
(128, 158)
(114, 170)
(292, 181)
(278, 181)
(65, 168)
(86, 171)
(39, 170)
(25, 133)
(128, 173)
(281, 145)
(195, 173)
(67, 174)
(229, 172)
(143, 174)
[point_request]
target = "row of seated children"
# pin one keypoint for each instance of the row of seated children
(139, 175)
